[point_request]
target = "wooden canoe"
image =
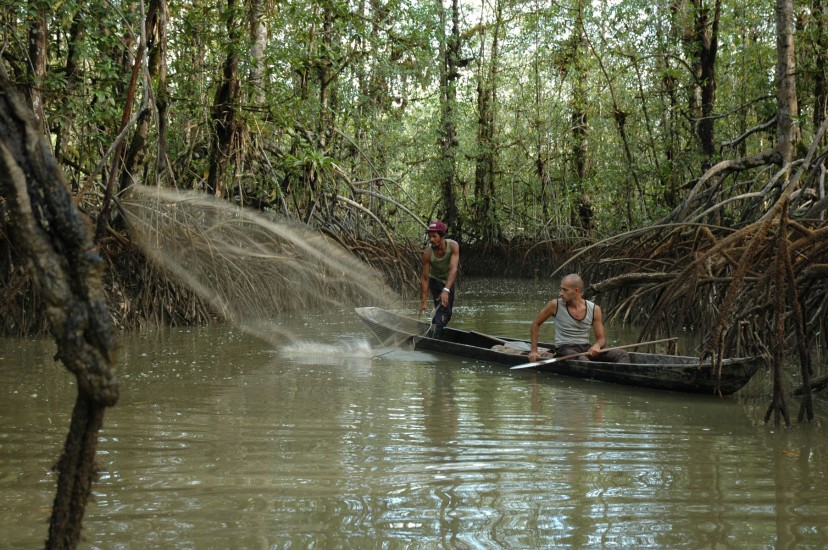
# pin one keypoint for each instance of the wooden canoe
(647, 370)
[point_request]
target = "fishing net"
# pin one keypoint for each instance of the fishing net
(252, 267)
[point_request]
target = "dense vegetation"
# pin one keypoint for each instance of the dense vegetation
(508, 118)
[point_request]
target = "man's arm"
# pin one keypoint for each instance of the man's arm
(454, 262)
(548, 311)
(598, 329)
(424, 280)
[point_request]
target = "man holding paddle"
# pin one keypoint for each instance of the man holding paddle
(574, 317)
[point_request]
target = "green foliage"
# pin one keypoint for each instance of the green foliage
(350, 90)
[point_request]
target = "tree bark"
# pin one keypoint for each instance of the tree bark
(324, 74)
(707, 36)
(786, 102)
(258, 35)
(117, 156)
(701, 44)
(582, 216)
(484, 175)
(226, 128)
(72, 76)
(449, 73)
(38, 27)
(66, 268)
(820, 63)
(158, 57)
(155, 35)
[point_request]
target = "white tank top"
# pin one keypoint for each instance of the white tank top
(569, 330)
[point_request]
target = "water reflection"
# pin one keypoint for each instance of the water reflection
(223, 441)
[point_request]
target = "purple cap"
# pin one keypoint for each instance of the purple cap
(439, 227)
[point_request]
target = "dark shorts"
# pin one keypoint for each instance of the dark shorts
(442, 315)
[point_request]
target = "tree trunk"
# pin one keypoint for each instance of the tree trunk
(672, 152)
(672, 118)
(582, 215)
(324, 73)
(37, 61)
(373, 151)
(788, 134)
(66, 268)
(542, 171)
(258, 35)
(707, 35)
(747, 38)
(156, 45)
(484, 176)
(539, 122)
(226, 128)
(820, 65)
(449, 73)
(701, 44)
(71, 75)
(117, 155)
(158, 57)
(786, 102)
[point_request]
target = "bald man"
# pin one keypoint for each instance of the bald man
(574, 317)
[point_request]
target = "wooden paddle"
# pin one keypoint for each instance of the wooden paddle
(574, 355)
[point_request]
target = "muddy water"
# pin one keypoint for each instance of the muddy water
(221, 440)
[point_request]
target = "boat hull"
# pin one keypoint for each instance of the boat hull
(647, 370)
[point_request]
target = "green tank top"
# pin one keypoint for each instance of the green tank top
(440, 266)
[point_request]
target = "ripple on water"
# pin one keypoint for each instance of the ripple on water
(219, 443)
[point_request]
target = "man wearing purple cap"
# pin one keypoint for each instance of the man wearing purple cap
(440, 261)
